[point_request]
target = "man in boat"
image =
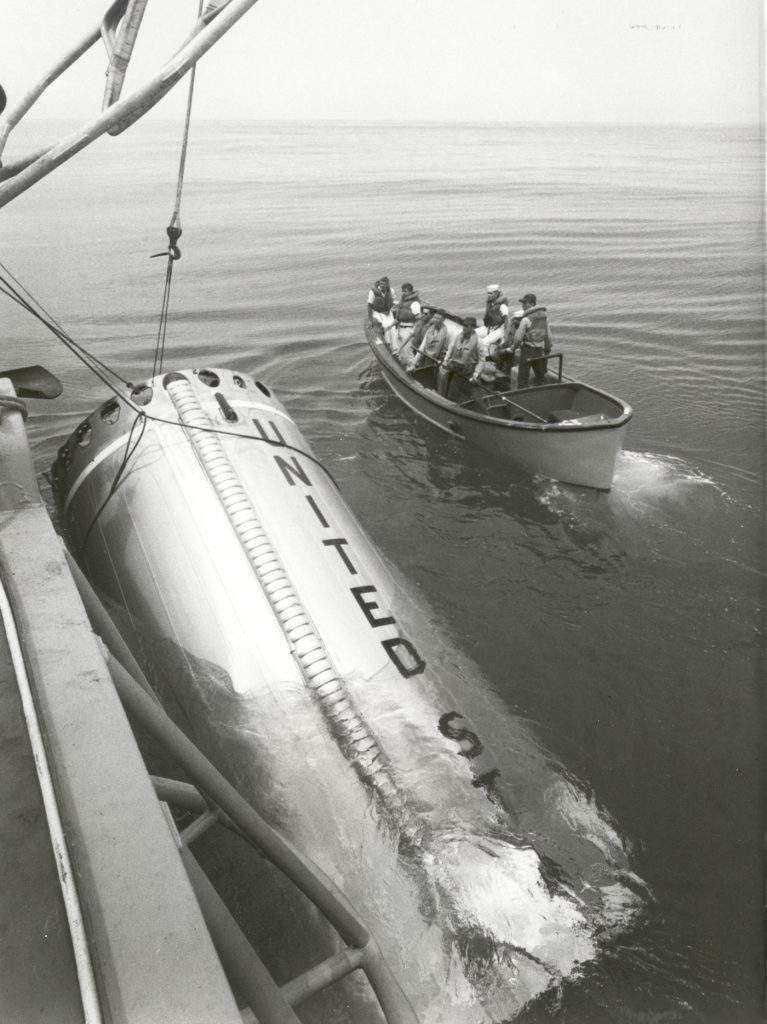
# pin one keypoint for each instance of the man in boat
(504, 355)
(496, 308)
(408, 316)
(485, 371)
(422, 322)
(533, 339)
(407, 353)
(381, 306)
(380, 301)
(433, 344)
(460, 361)
(409, 306)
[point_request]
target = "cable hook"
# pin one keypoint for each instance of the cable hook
(174, 233)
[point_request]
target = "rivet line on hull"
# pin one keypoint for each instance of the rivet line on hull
(357, 742)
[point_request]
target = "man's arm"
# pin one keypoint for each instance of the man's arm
(449, 353)
(422, 348)
(519, 334)
(475, 356)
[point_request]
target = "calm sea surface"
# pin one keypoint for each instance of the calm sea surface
(624, 627)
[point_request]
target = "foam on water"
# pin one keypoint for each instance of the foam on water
(643, 478)
(644, 483)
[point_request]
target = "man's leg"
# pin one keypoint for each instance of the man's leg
(539, 366)
(524, 366)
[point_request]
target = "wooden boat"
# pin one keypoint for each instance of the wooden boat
(564, 429)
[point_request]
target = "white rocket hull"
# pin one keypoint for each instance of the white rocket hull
(396, 796)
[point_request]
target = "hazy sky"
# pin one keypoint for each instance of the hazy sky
(508, 60)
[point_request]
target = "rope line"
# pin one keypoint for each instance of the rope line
(37, 310)
(101, 370)
(174, 227)
(162, 327)
(127, 456)
(176, 218)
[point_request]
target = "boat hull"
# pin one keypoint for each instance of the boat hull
(582, 451)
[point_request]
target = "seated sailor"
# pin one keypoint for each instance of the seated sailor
(419, 329)
(496, 308)
(409, 306)
(486, 369)
(460, 361)
(380, 301)
(409, 340)
(433, 344)
(505, 351)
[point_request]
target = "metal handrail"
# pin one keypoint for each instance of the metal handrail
(312, 980)
(549, 355)
(67, 879)
(305, 875)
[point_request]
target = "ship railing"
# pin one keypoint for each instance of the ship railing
(217, 801)
(118, 29)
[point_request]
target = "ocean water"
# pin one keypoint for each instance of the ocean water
(625, 629)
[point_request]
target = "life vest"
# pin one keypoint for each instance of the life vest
(382, 301)
(538, 332)
(493, 315)
(465, 353)
(406, 314)
(434, 342)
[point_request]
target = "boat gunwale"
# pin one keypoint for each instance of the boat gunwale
(390, 362)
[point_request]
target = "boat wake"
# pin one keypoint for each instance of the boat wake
(645, 478)
(644, 482)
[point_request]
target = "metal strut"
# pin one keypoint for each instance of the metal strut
(221, 798)
(216, 19)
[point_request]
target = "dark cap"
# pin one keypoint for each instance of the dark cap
(383, 280)
(469, 321)
(528, 298)
(407, 287)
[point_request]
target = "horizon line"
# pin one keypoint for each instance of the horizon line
(394, 122)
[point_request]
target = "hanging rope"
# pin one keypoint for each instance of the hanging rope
(174, 228)
(14, 289)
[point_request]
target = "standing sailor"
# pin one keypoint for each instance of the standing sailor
(533, 338)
